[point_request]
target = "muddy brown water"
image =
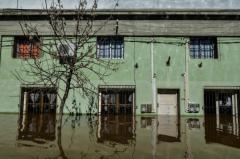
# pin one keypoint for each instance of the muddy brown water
(127, 137)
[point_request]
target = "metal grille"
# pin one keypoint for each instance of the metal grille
(26, 48)
(106, 87)
(103, 45)
(203, 48)
(110, 47)
(38, 100)
(117, 101)
(222, 101)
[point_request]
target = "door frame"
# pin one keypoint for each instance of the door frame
(170, 91)
(40, 88)
(173, 91)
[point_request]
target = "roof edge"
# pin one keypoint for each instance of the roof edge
(9, 11)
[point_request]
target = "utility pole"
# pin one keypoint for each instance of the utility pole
(0, 49)
(186, 78)
(153, 77)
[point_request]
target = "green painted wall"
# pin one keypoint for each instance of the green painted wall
(223, 71)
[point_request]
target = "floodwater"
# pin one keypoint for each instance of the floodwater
(127, 137)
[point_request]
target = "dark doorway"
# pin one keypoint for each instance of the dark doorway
(222, 116)
(117, 101)
(221, 102)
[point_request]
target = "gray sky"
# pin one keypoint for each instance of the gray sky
(129, 4)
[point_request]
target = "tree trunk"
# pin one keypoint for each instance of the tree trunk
(63, 101)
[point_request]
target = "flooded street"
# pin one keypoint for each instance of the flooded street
(140, 137)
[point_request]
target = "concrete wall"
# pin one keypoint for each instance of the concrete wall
(133, 27)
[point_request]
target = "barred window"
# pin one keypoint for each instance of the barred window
(110, 47)
(38, 99)
(203, 48)
(26, 47)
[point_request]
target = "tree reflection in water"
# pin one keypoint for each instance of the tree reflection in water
(110, 131)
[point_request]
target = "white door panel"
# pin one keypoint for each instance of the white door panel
(167, 104)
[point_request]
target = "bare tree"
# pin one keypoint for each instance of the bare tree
(67, 61)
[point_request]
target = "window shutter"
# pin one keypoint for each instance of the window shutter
(24, 50)
(35, 50)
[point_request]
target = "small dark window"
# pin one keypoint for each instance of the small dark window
(203, 48)
(66, 53)
(26, 47)
(110, 47)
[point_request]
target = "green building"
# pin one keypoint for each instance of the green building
(173, 61)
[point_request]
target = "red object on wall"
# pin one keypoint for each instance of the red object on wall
(26, 48)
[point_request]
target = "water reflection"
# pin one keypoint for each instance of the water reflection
(125, 137)
(223, 130)
(118, 129)
(193, 123)
(167, 127)
(38, 128)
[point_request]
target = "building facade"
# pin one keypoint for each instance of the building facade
(173, 62)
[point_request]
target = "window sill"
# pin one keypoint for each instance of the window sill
(115, 59)
(205, 59)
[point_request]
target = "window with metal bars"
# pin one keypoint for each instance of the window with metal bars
(38, 100)
(110, 47)
(117, 101)
(26, 47)
(203, 48)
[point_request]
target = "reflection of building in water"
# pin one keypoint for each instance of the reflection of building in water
(37, 128)
(193, 123)
(118, 129)
(164, 128)
(224, 130)
(146, 122)
(167, 127)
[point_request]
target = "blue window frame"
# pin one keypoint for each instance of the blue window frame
(110, 47)
(203, 48)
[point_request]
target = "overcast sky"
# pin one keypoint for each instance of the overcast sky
(128, 4)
